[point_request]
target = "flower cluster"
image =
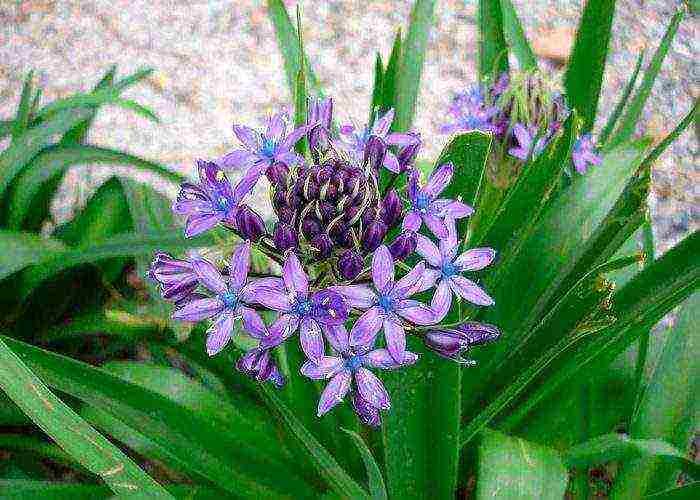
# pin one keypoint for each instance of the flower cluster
(524, 111)
(338, 236)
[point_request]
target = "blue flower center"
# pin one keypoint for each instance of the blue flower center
(268, 148)
(222, 203)
(230, 299)
(422, 201)
(386, 303)
(448, 269)
(353, 363)
(303, 307)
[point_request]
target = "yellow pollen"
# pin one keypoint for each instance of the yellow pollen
(219, 175)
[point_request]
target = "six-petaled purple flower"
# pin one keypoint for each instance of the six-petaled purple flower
(525, 137)
(584, 154)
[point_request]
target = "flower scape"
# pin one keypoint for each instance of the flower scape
(356, 258)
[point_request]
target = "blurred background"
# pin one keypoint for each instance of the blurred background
(217, 61)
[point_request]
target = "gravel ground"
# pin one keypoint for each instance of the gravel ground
(217, 61)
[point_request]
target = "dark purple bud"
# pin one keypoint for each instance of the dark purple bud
(453, 343)
(403, 246)
(445, 343)
(249, 224)
(368, 414)
(278, 174)
(375, 150)
(176, 277)
(310, 227)
(285, 237)
(329, 307)
(368, 216)
(323, 244)
(310, 188)
(374, 235)
(407, 154)
(259, 365)
(327, 210)
(391, 208)
(285, 213)
(350, 264)
(478, 333)
(318, 141)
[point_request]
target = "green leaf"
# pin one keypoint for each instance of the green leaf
(25, 489)
(512, 468)
(78, 134)
(620, 106)
(337, 478)
(22, 249)
(688, 492)
(668, 408)
(493, 53)
(377, 88)
(288, 43)
(21, 121)
(75, 436)
(411, 67)
(199, 446)
(469, 154)
(5, 128)
(617, 447)
(390, 77)
(634, 110)
(23, 149)
(421, 441)
(584, 75)
(374, 474)
(515, 37)
(300, 90)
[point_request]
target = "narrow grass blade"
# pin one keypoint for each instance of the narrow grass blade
(23, 149)
(618, 447)
(515, 37)
(634, 110)
(411, 67)
(22, 249)
(288, 43)
(390, 79)
(493, 52)
(108, 95)
(78, 134)
(75, 436)
(377, 489)
(512, 468)
(620, 106)
(669, 405)
(300, 90)
(337, 478)
(21, 121)
(377, 88)
(584, 75)
(687, 492)
(54, 162)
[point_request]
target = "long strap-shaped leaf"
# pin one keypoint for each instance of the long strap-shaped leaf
(72, 433)
(620, 106)
(584, 75)
(338, 479)
(515, 36)
(374, 474)
(411, 67)
(493, 52)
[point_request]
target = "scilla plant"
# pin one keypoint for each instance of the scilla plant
(474, 326)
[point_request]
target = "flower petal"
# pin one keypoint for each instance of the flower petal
(410, 283)
(442, 300)
(383, 124)
(253, 324)
(249, 291)
(439, 180)
(248, 181)
(383, 360)
(365, 329)
(326, 367)
(436, 225)
(311, 339)
(276, 127)
(337, 335)
(293, 137)
(198, 223)
(430, 277)
(391, 162)
(395, 338)
(412, 221)
(219, 333)
(239, 158)
(451, 208)
(399, 139)
(382, 268)
(295, 278)
(470, 291)
(428, 250)
(200, 309)
(475, 259)
(239, 265)
(357, 296)
(415, 312)
(334, 392)
(371, 389)
(285, 326)
(209, 275)
(248, 137)
(273, 299)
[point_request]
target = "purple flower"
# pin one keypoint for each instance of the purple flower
(428, 208)
(258, 362)
(230, 300)
(350, 264)
(386, 305)
(300, 310)
(584, 154)
(403, 246)
(176, 278)
(525, 137)
(260, 150)
(406, 155)
(446, 268)
(356, 142)
(319, 120)
(350, 365)
(453, 343)
(249, 224)
(470, 112)
(213, 200)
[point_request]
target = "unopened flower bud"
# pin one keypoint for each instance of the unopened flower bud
(452, 344)
(407, 154)
(350, 264)
(323, 244)
(368, 414)
(285, 237)
(278, 174)
(374, 235)
(249, 224)
(404, 245)
(391, 208)
(375, 150)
